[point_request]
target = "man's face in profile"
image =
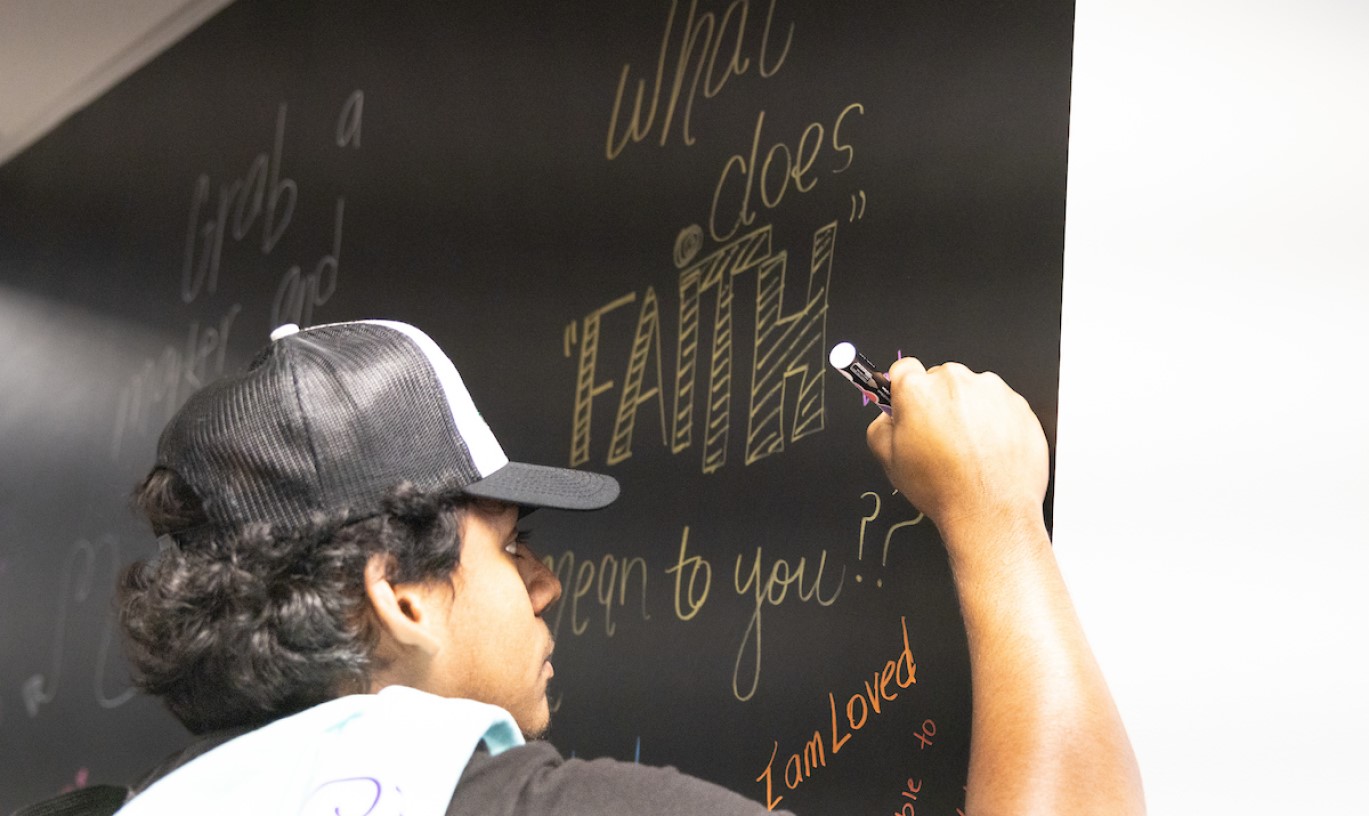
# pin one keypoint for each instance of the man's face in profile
(497, 647)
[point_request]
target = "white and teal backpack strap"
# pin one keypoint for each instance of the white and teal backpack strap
(401, 751)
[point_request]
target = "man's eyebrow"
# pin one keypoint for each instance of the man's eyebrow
(490, 505)
(503, 521)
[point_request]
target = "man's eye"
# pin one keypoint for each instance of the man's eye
(522, 538)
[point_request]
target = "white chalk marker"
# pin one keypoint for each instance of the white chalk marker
(852, 365)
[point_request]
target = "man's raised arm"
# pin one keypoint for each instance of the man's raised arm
(968, 451)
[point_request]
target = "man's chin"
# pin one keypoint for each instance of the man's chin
(537, 726)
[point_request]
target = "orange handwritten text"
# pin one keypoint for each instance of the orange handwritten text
(914, 788)
(898, 673)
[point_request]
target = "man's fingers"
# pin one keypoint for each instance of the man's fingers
(899, 373)
(880, 433)
(877, 436)
(905, 366)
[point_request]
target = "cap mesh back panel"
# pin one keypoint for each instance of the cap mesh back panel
(327, 419)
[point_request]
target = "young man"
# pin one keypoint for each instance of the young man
(344, 610)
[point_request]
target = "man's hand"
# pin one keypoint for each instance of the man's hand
(961, 446)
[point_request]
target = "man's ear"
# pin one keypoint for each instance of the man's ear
(412, 614)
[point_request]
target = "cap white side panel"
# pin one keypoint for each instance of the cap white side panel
(486, 453)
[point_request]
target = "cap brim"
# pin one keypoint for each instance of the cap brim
(542, 486)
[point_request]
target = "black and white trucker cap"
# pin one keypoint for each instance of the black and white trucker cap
(330, 418)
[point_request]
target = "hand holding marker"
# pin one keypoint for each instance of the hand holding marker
(852, 365)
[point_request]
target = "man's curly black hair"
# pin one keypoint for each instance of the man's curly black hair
(241, 627)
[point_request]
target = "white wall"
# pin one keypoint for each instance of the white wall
(58, 55)
(1212, 510)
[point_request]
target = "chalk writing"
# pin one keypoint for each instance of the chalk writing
(349, 121)
(787, 350)
(610, 579)
(910, 793)
(888, 536)
(262, 200)
(647, 339)
(773, 590)
(297, 294)
(263, 193)
(701, 41)
(692, 597)
(785, 346)
(900, 671)
(795, 165)
(924, 737)
(78, 579)
(260, 193)
(858, 196)
(688, 242)
(163, 382)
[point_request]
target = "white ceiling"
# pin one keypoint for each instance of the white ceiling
(58, 55)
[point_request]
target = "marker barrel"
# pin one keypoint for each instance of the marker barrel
(853, 365)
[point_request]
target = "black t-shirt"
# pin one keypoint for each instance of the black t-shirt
(535, 779)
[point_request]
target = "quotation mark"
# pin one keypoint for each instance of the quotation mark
(857, 206)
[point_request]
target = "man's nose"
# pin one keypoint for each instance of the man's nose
(544, 588)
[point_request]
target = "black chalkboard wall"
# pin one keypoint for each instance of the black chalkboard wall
(637, 227)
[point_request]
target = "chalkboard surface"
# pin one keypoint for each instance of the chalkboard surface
(637, 227)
